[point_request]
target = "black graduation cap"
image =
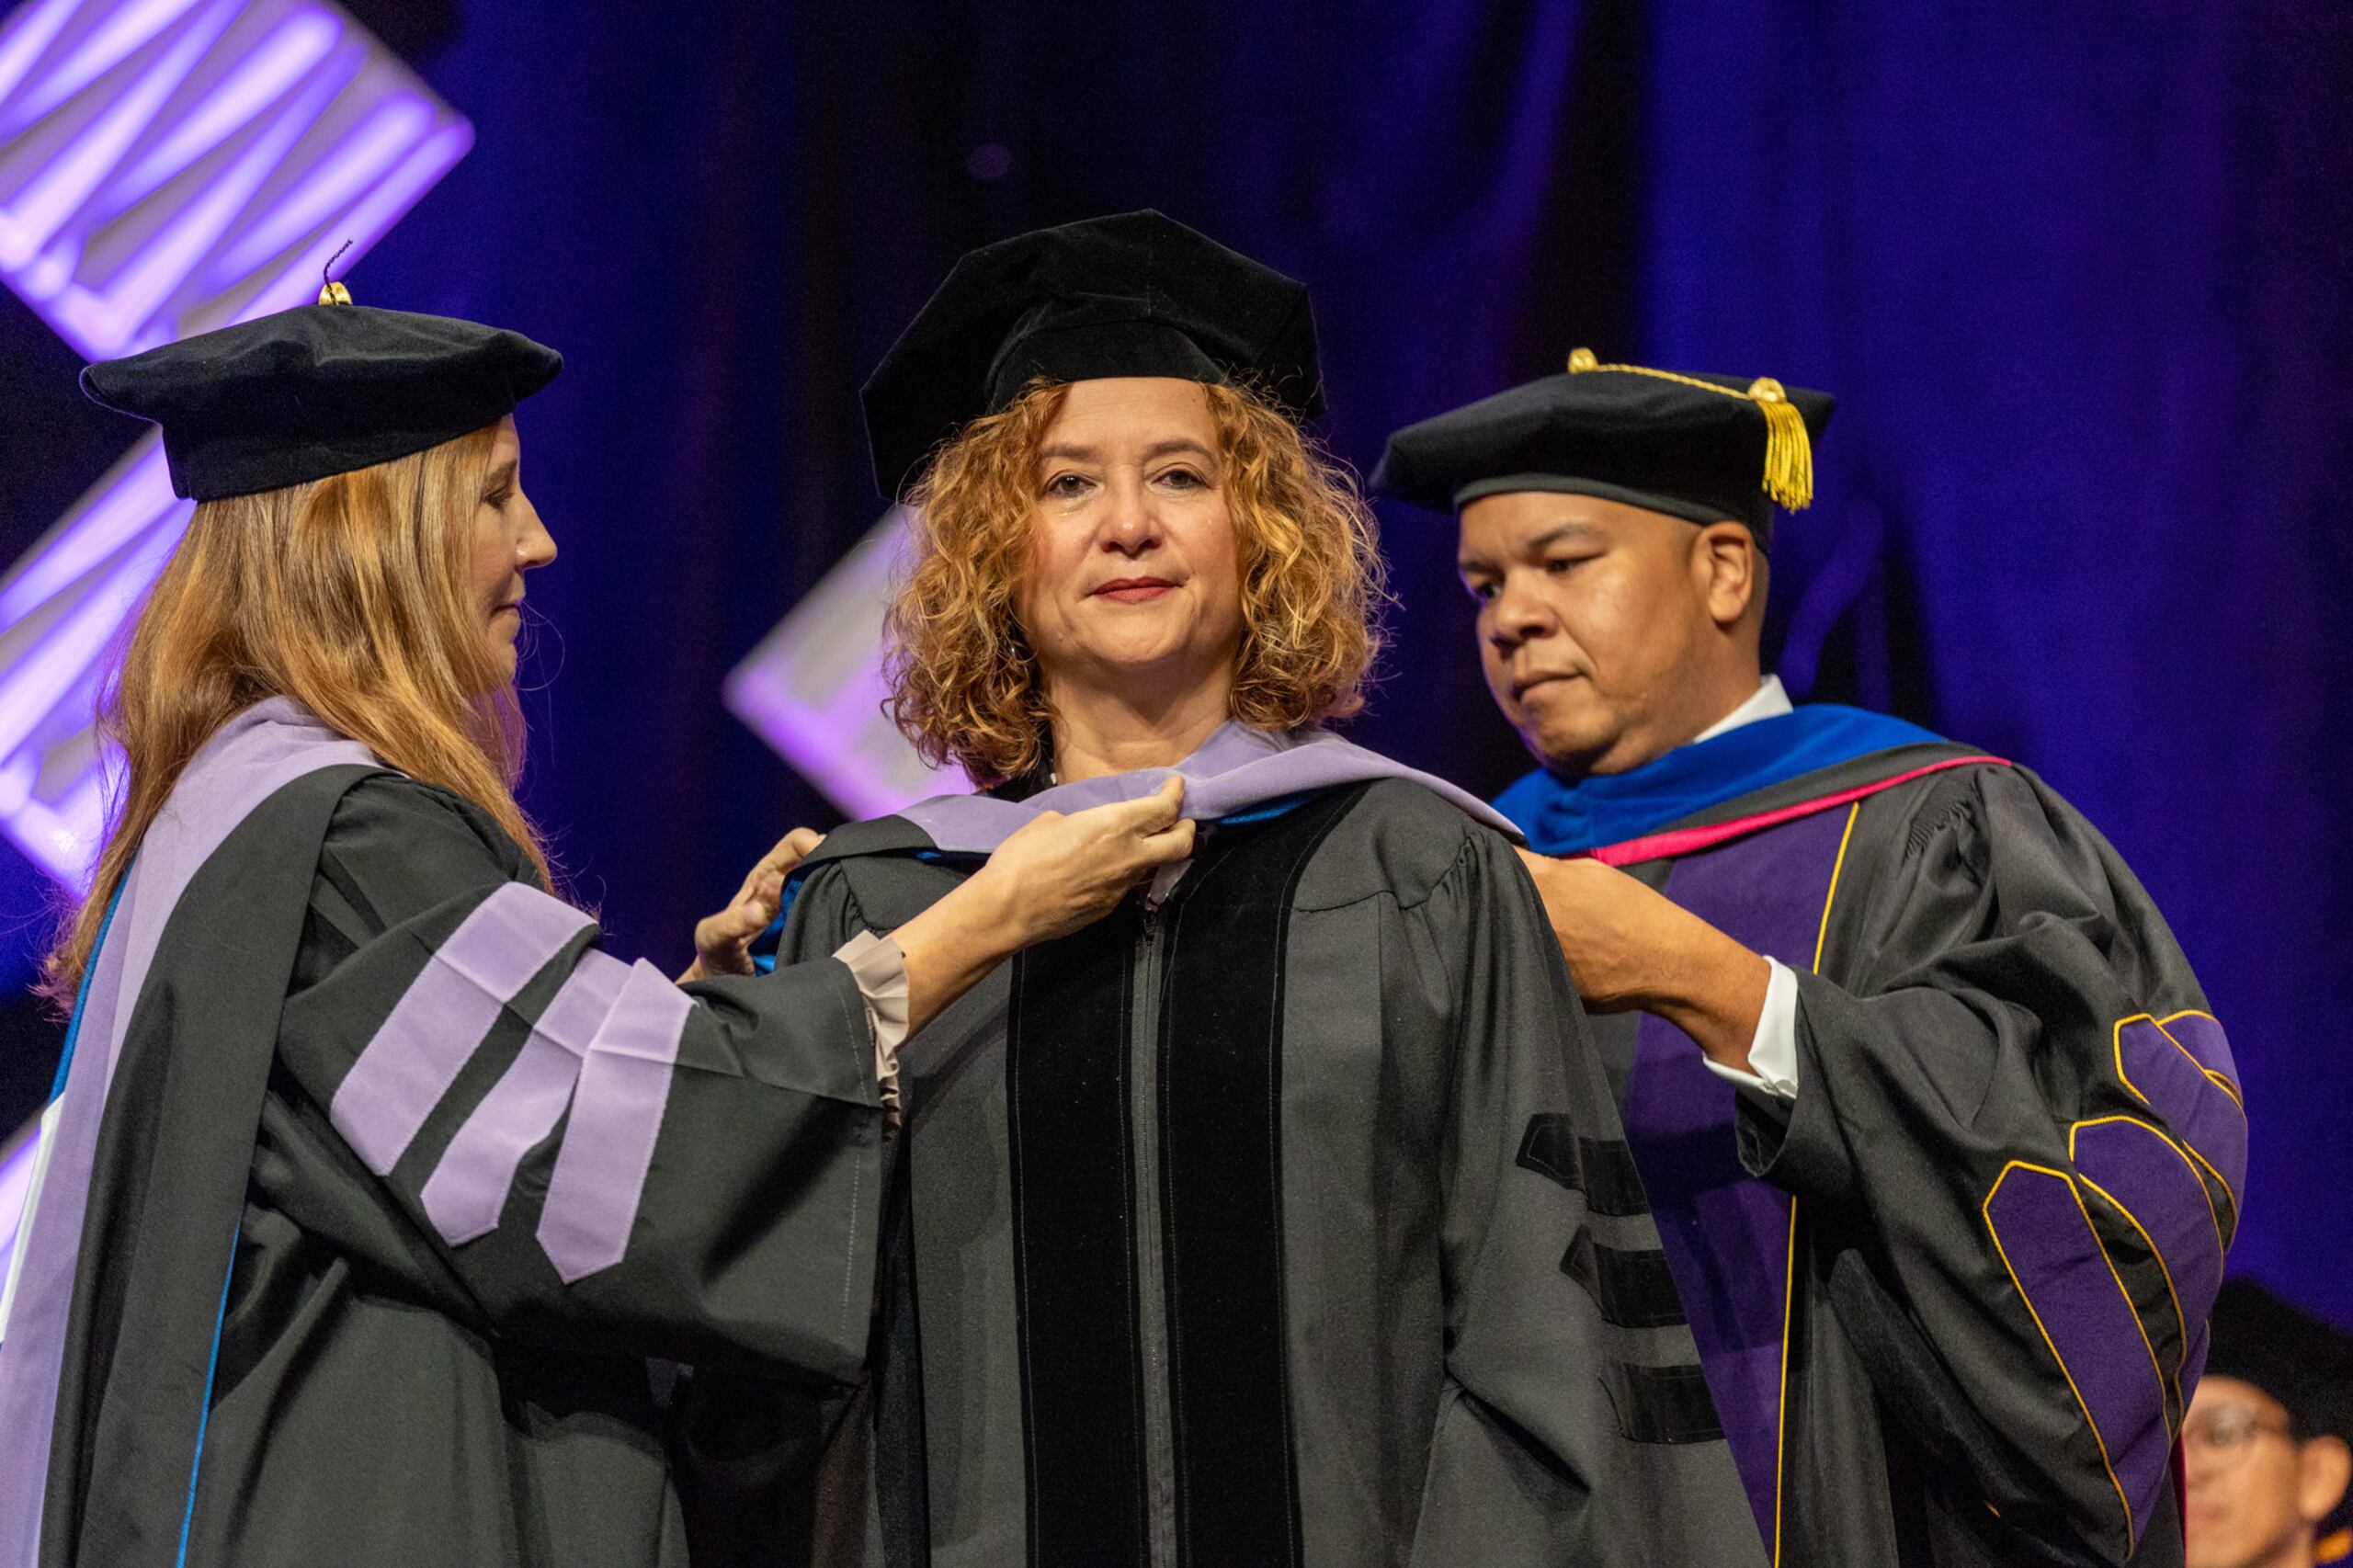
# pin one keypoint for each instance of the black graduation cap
(318, 389)
(2301, 1361)
(1138, 294)
(1706, 448)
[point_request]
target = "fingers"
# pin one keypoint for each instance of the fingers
(1169, 799)
(790, 851)
(731, 926)
(722, 940)
(1168, 845)
(1145, 814)
(717, 951)
(1153, 825)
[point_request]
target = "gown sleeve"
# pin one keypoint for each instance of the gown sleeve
(1573, 1399)
(2024, 1129)
(572, 1144)
(770, 1471)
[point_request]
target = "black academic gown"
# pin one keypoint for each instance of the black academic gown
(1280, 1217)
(1951, 1300)
(400, 1183)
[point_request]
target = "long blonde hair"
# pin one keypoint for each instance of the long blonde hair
(351, 595)
(964, 681)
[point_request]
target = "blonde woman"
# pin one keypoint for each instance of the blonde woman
(373, 1180)
(1283, 1216)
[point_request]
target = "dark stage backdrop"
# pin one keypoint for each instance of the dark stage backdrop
(2080, 283)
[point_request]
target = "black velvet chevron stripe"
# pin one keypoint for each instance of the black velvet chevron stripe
(900, 1464)
(1662, 1405)
(1220, 1080)
(1634, 1288)
(1601, 1169)
(1073, 1247)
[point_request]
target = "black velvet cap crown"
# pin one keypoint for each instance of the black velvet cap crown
(318, 389)
(2301, 1361)
(1138, 294)
(1706, 452)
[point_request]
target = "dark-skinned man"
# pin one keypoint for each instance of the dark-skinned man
(1944, 1143)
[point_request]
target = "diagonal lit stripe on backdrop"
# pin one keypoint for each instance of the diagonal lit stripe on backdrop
(814, 688)
(166, 167)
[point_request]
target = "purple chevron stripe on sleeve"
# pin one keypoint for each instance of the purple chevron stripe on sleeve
(616, 1117)
(2201, 1113)
(2144, 1175)
(2047, 1243)
(467, 1191)
(2200, 1034)
(436, 1026)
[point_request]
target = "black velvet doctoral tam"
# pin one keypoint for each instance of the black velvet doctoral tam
(1135, 294)
(319, 390)
(2302, 1361)
(1647, 439)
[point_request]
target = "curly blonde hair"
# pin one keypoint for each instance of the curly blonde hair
(964, 681)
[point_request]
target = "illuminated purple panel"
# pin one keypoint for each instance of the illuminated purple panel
(813, 689)
(61, 608)
(167, 166)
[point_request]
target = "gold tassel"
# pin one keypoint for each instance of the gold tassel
(1789, 451)
(1789, 456)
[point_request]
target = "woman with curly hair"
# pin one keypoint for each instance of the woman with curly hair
(1284, 1215)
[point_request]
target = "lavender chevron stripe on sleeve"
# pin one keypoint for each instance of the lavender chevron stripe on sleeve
(616, 1117)
(438, 1023)
(467, 1191)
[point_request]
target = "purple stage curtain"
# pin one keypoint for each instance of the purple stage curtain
(2079, 278)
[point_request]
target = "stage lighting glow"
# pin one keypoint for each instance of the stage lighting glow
(166, 167)
(814, 688)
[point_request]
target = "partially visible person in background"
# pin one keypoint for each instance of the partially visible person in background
(2267, 1438)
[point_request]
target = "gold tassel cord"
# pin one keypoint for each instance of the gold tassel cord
(1789, 453)
(330, 290)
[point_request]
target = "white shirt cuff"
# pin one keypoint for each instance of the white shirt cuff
(880, 971)
(1773, 1053)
